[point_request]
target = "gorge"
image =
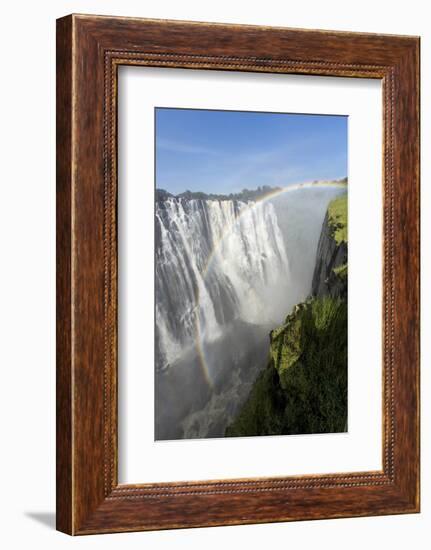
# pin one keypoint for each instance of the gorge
(228, 271)
(303, 389)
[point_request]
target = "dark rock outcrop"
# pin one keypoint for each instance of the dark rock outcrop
(330, 272)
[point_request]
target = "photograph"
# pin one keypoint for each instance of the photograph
(251, 273)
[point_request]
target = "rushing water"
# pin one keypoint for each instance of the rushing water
(215, 262)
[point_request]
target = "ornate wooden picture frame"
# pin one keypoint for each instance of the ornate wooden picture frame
(89, 51)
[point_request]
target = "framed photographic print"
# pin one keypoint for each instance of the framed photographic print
(237, 274)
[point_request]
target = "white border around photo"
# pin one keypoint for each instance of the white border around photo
(141, 458)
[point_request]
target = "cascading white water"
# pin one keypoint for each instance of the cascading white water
(216, 262)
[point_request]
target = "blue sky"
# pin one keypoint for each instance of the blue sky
(227, 151)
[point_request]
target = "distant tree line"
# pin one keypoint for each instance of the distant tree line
(244, 195)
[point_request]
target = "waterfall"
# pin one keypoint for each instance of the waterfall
(217, 261)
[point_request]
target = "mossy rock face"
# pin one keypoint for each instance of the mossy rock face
(337, 217)
(330, 272)
(304, 388)
(341, 271)
(285, 348)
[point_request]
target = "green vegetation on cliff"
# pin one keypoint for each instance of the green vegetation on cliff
(337, 217)
(341, 271)
(304, 388)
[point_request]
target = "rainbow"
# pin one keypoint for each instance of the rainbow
(199, 341)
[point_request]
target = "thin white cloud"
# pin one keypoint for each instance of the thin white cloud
(231, 171)
(182, 147)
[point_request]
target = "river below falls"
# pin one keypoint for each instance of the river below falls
(200, 395)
